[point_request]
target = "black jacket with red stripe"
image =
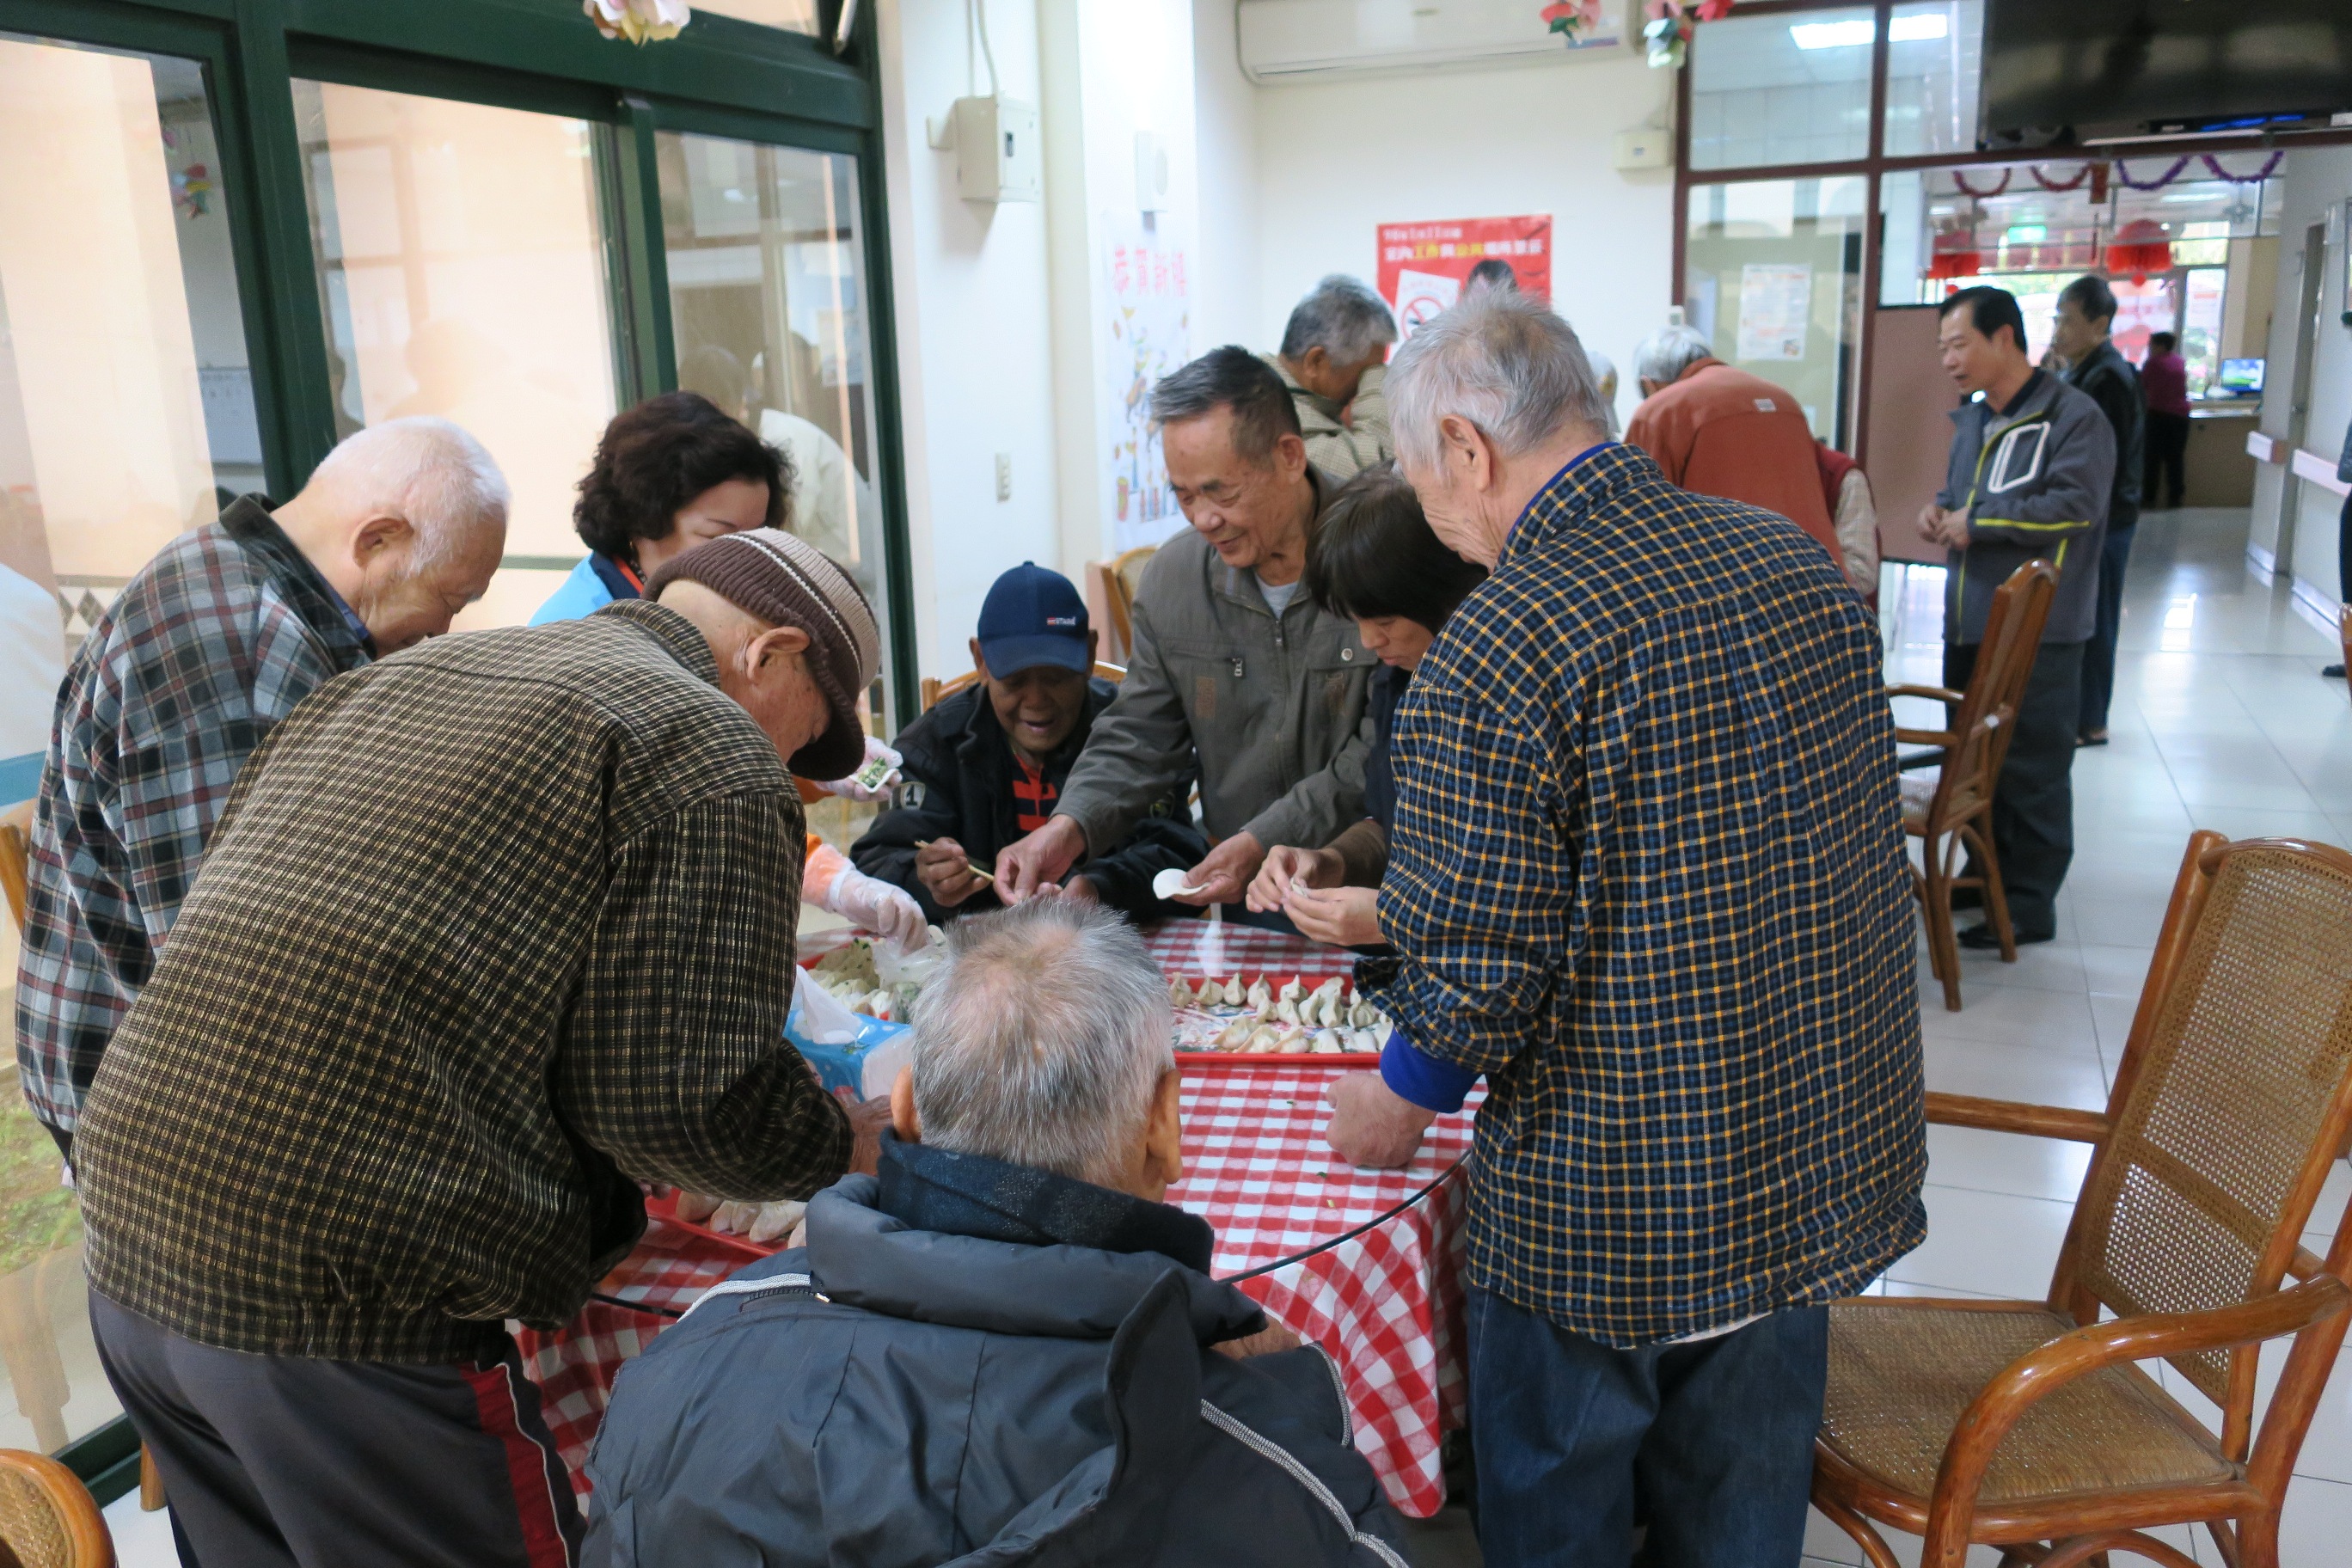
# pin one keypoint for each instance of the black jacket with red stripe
(962, 782)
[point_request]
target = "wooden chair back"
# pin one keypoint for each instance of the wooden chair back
(47, 1517)
(1115, 580)
(936, 691)
(15, 857)
(2231, 1103)
(1987, 709)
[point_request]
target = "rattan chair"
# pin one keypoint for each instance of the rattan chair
(1949, 807)
(2031, 1426)
(936, 691)
(47, 1517)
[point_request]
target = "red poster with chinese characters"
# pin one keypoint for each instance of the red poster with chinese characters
(1425, 266)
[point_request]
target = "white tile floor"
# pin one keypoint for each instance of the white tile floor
(2221, 720)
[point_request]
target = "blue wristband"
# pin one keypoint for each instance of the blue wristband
(1414, 1074)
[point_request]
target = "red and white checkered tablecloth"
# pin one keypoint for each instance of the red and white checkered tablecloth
(1365, 1264)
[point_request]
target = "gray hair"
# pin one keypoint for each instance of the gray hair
(1229, 377)
(1042, 1038)
(1666, 354)
(427, 470)
(1501, 360)
(1342, 316)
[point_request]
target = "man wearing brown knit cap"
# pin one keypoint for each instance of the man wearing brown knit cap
(490, 932)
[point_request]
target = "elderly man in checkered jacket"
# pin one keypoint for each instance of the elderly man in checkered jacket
(1647, 876)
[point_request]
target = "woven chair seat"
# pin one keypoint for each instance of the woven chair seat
(1900, 1377)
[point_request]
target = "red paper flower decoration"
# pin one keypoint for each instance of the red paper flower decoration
(2140, 248)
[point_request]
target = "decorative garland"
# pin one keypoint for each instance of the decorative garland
(2091, 172)
(639, 21)
(1668, 31)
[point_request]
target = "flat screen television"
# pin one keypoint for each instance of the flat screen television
(2061, 71)
(2241, 377)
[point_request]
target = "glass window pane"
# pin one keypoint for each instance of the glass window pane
(462, 267)
(126, 409)
(767, 294)
(1772, 281)
(1781, 88)
(792, 16)
(1933, 50)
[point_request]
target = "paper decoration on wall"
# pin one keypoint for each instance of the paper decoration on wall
(1425, 266)
(639, 21)
(1148, 300)
(1586, 24)
(1668, 30)
(1776, 309)
(192, 190)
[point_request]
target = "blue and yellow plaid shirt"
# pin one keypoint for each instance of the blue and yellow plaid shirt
(1648, 876)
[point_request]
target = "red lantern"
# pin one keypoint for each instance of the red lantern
(2140, 248)
(1956, 256)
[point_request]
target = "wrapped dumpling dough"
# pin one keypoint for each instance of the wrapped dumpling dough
(1287, 1011)
(1180, 995)
(1362, 1012)
(1264, 1039)
(1234, 992)
(1327, 1043)
(1236, 1035)
(1291, 990)
(1260, 997)
(775, 1221)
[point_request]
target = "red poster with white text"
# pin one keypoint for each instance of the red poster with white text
(1425, 266)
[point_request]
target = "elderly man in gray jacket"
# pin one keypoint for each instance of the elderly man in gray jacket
(2032, 465)
(1003, 1350)
(1232, 664)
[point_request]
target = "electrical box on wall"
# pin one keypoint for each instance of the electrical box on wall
(1152, 179)
(1647, 148)
(998, 156)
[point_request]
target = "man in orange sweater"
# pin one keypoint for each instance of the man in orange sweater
(1723, 431)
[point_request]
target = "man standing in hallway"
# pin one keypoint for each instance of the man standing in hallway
(2166, 377)
(2086, 314)
(1723, 431)
(1335, 349)
(1703, 1117)
(1235, 670)
(200, 656)
(2032, 465)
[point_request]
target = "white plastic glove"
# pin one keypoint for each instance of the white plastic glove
(864, 783)
(831, 883)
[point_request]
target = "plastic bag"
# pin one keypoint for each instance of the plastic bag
(818, 1015)
(915, 968)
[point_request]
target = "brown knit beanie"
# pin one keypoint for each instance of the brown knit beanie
(773, 577)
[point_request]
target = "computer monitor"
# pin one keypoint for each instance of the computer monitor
(2240, 376)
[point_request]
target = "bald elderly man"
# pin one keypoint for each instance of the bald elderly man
(204, 651)
(491, 931)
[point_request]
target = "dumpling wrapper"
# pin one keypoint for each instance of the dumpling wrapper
(1180, 995)
(1171, 883)
(1291, 990)
(1263, 1039)
(1327, 1043)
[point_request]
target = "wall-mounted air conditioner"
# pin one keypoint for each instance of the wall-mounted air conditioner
(1293, 40)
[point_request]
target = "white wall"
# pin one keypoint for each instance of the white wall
(974, 362)
(1225, 128)
(1337, 159)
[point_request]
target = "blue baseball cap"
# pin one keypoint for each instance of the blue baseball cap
(1033, 617)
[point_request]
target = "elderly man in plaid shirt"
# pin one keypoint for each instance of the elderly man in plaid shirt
(201, 654)
(1648, 878)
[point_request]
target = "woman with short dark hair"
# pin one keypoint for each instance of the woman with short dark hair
(674, 472)
(1372, 559)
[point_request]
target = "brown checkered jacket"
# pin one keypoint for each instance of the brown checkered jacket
(488, 930)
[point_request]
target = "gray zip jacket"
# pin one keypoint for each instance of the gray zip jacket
(2034, 478)
(1274, 710)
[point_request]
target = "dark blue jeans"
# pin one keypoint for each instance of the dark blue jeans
(1710, 1444)
(2099, 653)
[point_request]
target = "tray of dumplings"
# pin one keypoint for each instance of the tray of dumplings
(1273, 1019)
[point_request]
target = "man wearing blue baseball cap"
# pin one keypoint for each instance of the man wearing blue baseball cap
(986, 766)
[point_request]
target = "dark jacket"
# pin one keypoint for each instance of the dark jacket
(1381, 695)
(976, 1362)
(489, 930)
(959, 770)
(2114, 386)
(2034, 480)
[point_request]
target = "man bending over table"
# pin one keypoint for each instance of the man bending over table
(1236, 672)
(1648, 877)
(987, 766)
(490, 931)
(1000, 1348)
